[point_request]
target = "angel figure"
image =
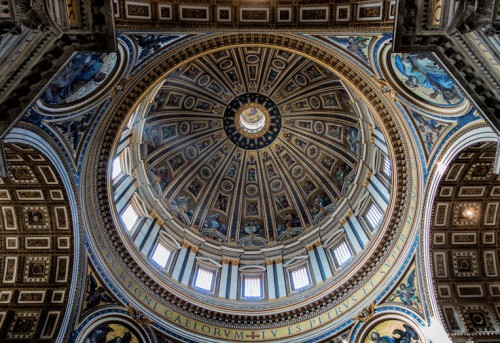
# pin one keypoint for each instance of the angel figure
(407, 292)
(356, 45)
(95, 293)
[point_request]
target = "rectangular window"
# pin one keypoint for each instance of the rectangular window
(129, 217)
(161, 255)
(374, 215)
(116, 168)
(204, 279)
(342, 254)
(387, 166)
(300, 278)
(252, 287)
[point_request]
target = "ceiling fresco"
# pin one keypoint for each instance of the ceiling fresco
(265, 160)
(254, 161)
(252, 187)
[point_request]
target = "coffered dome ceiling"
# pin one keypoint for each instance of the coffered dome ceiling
(252, 145)
(251, 163)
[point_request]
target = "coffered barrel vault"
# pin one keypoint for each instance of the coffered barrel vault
(36, 246)
(464, 243)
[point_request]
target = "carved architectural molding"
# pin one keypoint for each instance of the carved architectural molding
(475, 15)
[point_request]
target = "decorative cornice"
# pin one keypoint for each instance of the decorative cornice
(459, 58)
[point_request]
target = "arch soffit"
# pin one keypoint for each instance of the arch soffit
(34, 140)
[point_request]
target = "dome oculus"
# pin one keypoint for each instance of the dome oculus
(252, 121)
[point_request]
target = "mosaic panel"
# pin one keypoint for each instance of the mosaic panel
(408, 292)
(357, 45)
(96, 293)
(391, 331)
(113, 332)
(423, 77)
(431, 130)
(83, 74)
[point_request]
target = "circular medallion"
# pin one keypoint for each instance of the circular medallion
(204, 80)
(319, 127)
(191, 152)
(279, 64)
(226, 64)
(189, 102)
(312, 151)
(206, 173)
(315, 103)
(184, 128)
(227, 186)
(297, 171)
(301, 79)
(276, 185)
(251, 189)
(252, 121)
(252, 59)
